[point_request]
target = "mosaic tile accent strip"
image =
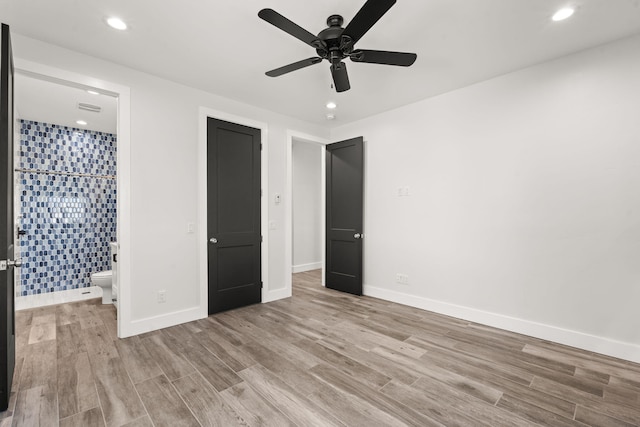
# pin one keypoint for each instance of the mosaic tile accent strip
(69, 218)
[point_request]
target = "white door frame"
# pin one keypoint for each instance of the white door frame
(123, 221)
(288, 218)
(203, 272)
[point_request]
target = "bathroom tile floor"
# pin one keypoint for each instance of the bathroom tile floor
(318, 358)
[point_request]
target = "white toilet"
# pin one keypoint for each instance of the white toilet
(104, 279)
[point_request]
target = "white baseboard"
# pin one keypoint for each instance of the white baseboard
(269, 296)
(149, 324)
(602, 345)
(301, 268)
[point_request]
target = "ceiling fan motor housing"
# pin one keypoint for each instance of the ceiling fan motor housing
(334, 46)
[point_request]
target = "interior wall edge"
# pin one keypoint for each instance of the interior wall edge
(597, 344)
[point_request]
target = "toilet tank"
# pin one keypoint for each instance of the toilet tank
(113, 247)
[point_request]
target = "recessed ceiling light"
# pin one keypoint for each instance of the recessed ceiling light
(331, 105)
(117, 23)
(563, 14)
(93, 92)
(330, 116)
(81, 122)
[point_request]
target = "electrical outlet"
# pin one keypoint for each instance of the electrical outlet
(162, 296)
(402, 279)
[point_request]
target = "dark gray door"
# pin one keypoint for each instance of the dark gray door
(7, 292)
(233, 215)
(345, 165)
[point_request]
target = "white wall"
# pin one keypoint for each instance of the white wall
(524, 201)
(164, 181)
(307, 206)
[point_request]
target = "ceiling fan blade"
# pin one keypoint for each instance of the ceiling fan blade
(368, 15)
(292, 67)
(383, 57)
(340, 77)
(277, 20)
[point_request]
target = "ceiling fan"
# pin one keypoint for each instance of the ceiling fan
(335, 43)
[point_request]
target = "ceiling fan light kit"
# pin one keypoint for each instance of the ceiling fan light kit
(336, 43)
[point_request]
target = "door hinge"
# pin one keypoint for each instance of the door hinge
(261, 284)
(261, 239)
(261, 146)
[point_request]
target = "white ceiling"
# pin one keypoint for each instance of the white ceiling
(49, 102)
(224, 48)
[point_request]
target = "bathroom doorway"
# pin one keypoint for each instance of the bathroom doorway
(65, 170)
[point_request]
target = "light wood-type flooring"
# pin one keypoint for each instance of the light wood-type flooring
(321, 358)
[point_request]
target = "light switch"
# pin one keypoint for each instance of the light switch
(272, 225)
(191, 227)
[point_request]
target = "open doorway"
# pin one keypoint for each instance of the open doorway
(65, 169)
(120, 175)
(307, 206)
(306, 191)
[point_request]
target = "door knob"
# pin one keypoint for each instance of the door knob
(213, 240)
(16, 263)
(357, 235)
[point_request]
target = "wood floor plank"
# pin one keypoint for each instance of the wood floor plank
(476, 408)
(207, 405)
(353, 387)
(39, 366)
(372, 360)
(475, 368)
(90, 418)
(465, 384)
(17, 370)
(429, 406)
(299, 409)
(99, 344)
(67, 314)
(232, 356)
(140, 422)
(69, 340)
(36, 406)
(118, 397)
(137, 360)
(42, 332)
(352, 410)
(593, 418)
(88, 317)
(585, 360)
(172, 363)
(534, 413)
(294, 375)
(164, 405)
(270, 341)
(76, 385)
(219, 375)
(255, 409)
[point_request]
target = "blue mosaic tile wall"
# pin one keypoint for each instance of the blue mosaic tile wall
(69, 218)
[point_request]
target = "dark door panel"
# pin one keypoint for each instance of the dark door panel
(233, 215)
(7, 292)
(345, 165)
